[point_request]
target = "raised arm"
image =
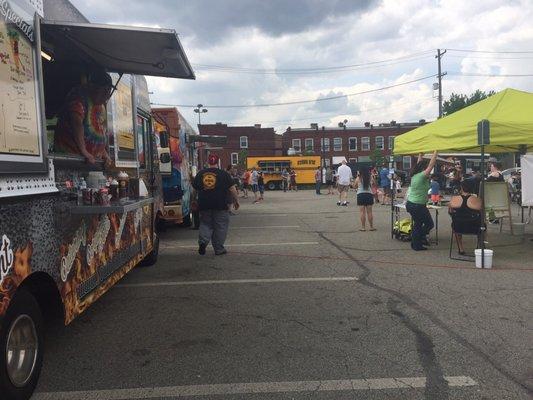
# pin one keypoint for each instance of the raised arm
(431, 164)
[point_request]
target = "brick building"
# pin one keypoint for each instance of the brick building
(355, 144)
(243, 141)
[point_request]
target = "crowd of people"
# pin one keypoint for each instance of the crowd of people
(219, 191)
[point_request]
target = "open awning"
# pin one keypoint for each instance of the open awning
(124, 49)
(510, 113)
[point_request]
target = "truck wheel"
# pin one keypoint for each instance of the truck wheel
(21, 345)
(151, 258)
(272, 185)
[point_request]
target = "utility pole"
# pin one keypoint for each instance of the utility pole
(440, 75)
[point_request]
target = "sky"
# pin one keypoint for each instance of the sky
(376, 57)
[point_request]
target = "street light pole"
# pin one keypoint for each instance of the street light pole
(200, 110)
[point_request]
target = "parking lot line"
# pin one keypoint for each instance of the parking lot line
(192, 246)
(240, 281)
(265, 227)
(252, 388)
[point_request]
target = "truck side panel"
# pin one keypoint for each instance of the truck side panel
(84, 255)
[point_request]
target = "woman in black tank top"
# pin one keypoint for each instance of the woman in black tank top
(466, 219)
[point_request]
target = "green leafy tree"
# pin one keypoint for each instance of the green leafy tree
(377, 157)
(243, 155)
(459, 101)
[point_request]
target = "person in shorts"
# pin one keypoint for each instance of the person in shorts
(285, 177)
(435, 190)
(365, 198)
(246, 183)
(254, 183)
(344, 180)
(384, 182)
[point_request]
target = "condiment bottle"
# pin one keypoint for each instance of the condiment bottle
(123, 185)
(113, 190)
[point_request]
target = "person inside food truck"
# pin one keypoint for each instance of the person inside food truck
(81, 127)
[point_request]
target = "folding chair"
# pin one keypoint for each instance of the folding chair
(467, 219)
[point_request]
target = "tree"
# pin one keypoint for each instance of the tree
(243, 155)
(459, 101)
(377, 157)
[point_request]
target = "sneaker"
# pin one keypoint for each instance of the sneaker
(338, 203)
(344, 203)
(201, 248)
(221, 252)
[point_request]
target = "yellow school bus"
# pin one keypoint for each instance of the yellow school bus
(304, 166)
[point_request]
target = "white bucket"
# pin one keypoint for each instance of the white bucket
(519, 228)
(488, 258)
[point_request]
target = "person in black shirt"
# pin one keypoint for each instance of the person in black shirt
(213, 185)
(495, 174)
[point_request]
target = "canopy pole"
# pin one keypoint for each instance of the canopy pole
(483, 138)
(483, 214)
(392, 190)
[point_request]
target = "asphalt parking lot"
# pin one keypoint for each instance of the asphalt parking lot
(304, 306)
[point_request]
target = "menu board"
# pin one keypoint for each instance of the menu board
(19, 123)
(122, 122)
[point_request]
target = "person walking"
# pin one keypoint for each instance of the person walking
(417, 202)
(212, 185)
(329, 180)
(318, 180)
(344, 180)
(246, 182)
(261, 185)
(231, 171)
(375, 191)
(254, 182)
(365, 198)
(293, 180)
(384, 183)
(285, 178)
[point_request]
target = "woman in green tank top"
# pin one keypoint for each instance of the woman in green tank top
(417, 200)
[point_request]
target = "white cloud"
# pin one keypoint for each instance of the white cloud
(386, 30)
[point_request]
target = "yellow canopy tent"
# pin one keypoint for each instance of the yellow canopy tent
(510, 113)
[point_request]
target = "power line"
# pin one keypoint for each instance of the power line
(490, 75)
(391, 61)
(492, 52)
(330, 115)
(277, 72)
(490, 57)
(288, 103)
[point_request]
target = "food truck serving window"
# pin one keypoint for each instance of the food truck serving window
(120, 122)
(21, 143)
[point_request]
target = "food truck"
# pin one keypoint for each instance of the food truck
(70, 226)
(177, 189)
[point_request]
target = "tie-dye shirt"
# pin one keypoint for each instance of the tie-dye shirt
(94, 124)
